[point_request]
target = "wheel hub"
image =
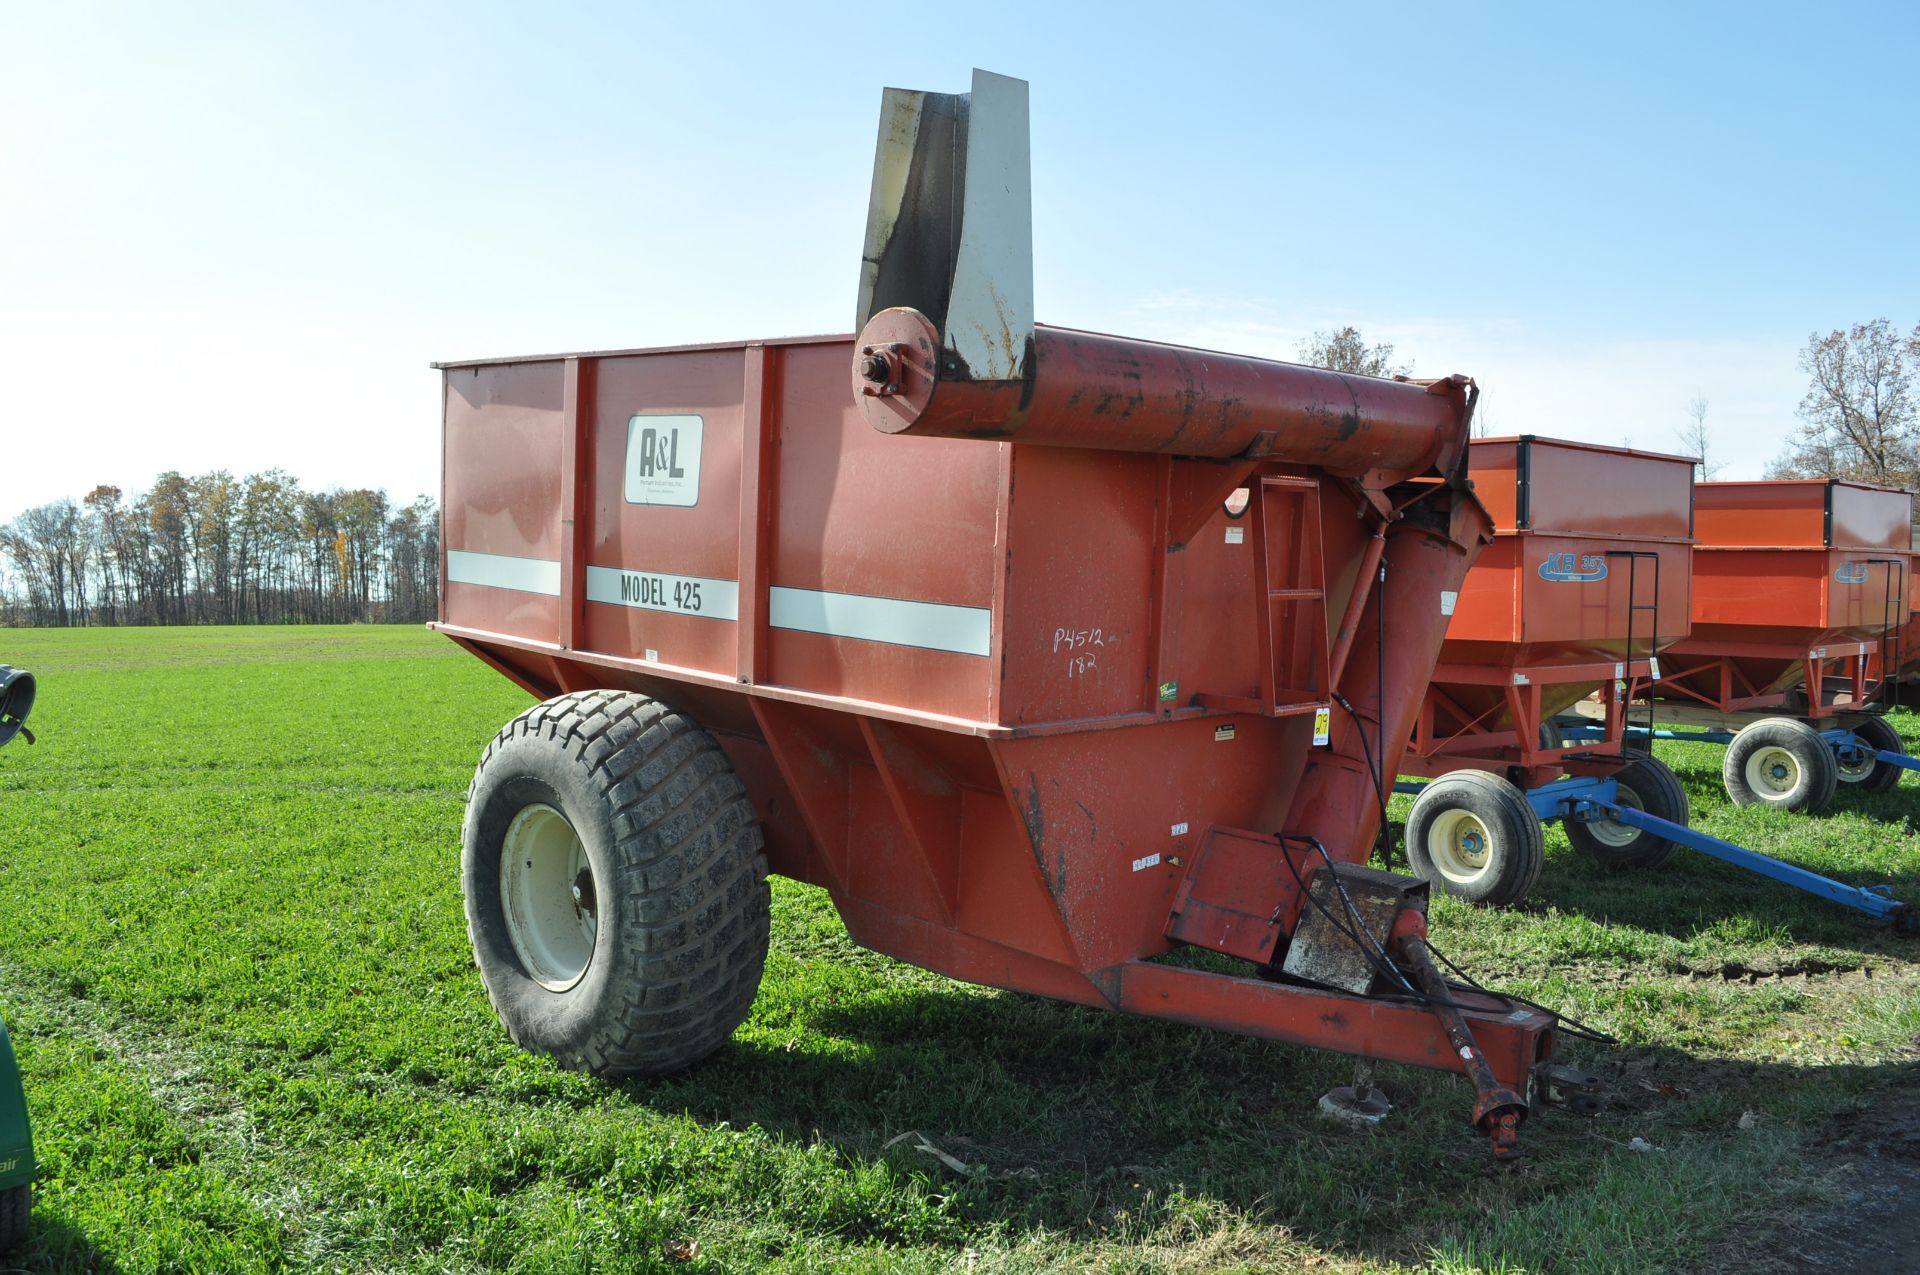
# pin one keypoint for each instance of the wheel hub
(1460, 845)
(1773, 772)
(1854, 763)
(547, 897)
(1612, 833)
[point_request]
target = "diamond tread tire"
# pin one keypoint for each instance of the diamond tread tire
(680, 902)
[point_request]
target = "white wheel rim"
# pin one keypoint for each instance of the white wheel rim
(1459, 846)
(1617, 836)
(547, 897)
(1772, 772)
(1856, 772)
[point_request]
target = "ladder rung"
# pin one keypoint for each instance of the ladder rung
(1294, 595)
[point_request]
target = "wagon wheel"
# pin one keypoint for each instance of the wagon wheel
(1873, 775)
(1782, 763)
(1474, 835)
(1645, 783)
(616, 892)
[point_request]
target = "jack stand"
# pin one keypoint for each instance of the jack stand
(1358, 1103)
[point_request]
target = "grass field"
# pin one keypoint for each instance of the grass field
(236, 969)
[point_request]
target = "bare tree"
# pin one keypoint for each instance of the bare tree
(1347, 351)
(1694, 440)
(1858, 419)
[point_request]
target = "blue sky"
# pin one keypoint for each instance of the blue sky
(234, 236)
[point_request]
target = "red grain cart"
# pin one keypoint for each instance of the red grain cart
(958, 621)
(1797, 584)
(1586, 580)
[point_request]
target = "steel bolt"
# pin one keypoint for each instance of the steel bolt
(874, 368)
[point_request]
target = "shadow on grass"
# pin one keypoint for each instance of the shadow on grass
(56, 1248)
(1695, 890)
(1097, 1127)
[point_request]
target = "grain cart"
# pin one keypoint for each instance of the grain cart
(1570, 604)
(1045, 652)
(17, 1165)
(1797, 586)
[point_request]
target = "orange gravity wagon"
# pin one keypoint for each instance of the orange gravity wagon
(1566, 609)
(1532, 715)
(1046, 653)
(1799, 598)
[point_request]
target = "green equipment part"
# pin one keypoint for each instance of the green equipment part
(16, 1132)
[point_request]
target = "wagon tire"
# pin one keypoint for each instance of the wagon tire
(1645, 783)
(1878, 776)
(1473, 834)
(616, 889)
(16, 1216)
(1782, 763)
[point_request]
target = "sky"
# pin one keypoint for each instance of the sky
(235, 236)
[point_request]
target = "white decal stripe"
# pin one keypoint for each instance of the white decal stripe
(935, 626)
(500, 571)
(657, 591)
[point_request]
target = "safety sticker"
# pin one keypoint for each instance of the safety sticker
(1236, 535)
(1449, 599)
(1322, 726)
(1653, 667)
(1223, 732)
(1148, 862)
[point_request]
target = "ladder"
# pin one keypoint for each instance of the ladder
(1634, 608)
(1290, 602)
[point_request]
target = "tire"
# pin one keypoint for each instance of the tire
(603, 796)
(1877, 775)
(1645, 783)
(1782, 763)
(1551, 736)
(16, 1216)
(1473, 834)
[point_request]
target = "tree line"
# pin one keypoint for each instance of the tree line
(216, 549)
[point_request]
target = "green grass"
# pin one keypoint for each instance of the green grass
(237, 973)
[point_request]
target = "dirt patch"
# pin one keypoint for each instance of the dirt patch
(1872, 1226)
(1810, 967)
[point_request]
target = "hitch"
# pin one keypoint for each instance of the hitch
(1557, 1084)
